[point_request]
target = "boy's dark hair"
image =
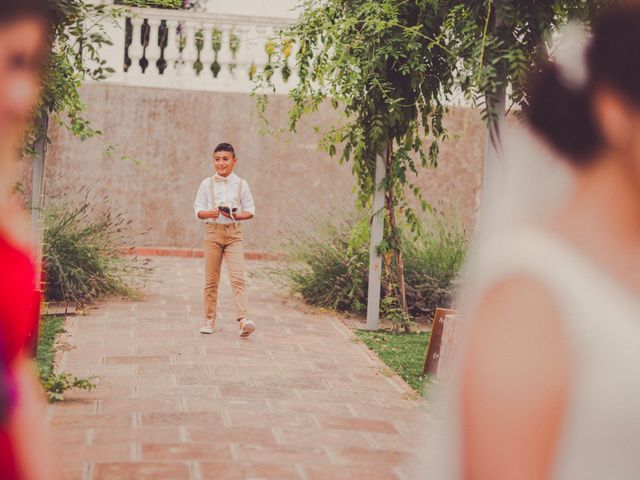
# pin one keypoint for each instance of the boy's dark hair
(225, 147)
(46, 10)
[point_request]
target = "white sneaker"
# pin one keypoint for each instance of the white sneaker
(207, 328)
(247, 327)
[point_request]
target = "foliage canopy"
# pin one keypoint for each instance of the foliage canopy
(392, 67)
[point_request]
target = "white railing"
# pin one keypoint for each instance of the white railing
(189, 50)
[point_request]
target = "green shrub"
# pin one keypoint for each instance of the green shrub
(325, 266)
(432, 263)
(328, 265)
(82, 253)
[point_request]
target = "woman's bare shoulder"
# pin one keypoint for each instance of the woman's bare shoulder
(514, 380)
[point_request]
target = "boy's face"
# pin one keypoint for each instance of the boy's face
(224, 163)
(22, 49)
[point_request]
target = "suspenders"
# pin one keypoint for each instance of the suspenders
(239, 200)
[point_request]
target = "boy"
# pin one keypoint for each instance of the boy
(223, 202)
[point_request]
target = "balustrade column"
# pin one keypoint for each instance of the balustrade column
(153, 48)
(255, 50)
(276, 68)
(293, 60)
(172, 50)
(190, 52)
(206, 54)
(260, 52)
(243, 58)
(224, 55)
(136, 49)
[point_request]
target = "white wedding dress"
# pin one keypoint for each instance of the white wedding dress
(600, 435)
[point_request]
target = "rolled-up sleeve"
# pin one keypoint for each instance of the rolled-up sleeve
(201, 203)
(246, 200)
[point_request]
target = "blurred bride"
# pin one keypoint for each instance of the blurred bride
(548, 384)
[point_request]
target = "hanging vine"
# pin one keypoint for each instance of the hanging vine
(390, 67)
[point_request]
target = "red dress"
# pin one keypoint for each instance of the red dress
(19, 313)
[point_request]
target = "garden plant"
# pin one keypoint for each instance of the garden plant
(327, 266)
(83, 251)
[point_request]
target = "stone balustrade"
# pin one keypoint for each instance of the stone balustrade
(191, 50)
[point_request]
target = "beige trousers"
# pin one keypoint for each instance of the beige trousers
(224, 240)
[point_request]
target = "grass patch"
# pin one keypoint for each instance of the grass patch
(50, 328)
(403, 353)
(55, 384)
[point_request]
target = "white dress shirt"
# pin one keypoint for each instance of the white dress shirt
(226, 192)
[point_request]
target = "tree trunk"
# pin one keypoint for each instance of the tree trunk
(403, 291)
(397, 242)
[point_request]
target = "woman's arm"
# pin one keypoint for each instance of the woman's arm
(27, 427)
(514, 387)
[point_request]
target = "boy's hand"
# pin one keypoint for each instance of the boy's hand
(215, 213)
(224, 214)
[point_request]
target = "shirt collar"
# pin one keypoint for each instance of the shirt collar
(231, 177)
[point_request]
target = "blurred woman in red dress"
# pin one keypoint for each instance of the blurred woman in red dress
(25, 27)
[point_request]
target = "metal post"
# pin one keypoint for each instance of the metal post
(493, 170)
(375, 260)
(37, 194)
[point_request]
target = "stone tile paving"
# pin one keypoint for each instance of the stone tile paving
(300, 399)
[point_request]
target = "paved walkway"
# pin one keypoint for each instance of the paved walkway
(301, 399)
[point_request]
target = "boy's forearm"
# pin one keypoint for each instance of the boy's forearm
(205, 214)
(244, 216)
(238, 216)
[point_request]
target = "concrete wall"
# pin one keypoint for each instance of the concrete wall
(169, 136)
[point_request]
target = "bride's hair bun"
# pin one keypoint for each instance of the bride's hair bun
(562, 114)
(561, 110)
